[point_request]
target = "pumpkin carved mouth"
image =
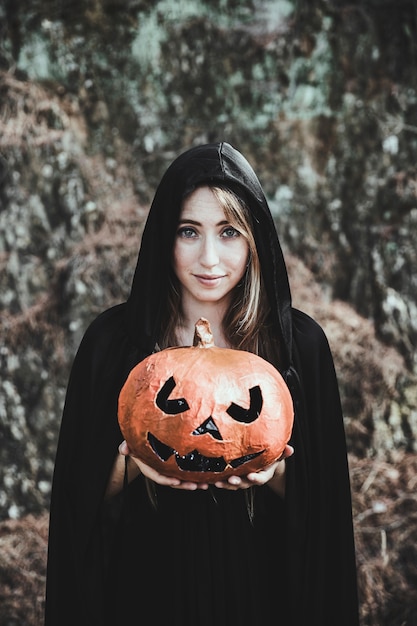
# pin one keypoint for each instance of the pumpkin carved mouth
(195, 461)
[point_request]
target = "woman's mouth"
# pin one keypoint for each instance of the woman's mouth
(208, 280)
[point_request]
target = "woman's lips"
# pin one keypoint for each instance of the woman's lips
(209, 281)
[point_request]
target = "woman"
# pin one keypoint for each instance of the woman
(128, 544)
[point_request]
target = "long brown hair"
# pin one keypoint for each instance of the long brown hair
(244, 324)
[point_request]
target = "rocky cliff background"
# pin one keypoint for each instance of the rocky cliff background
(96, 98)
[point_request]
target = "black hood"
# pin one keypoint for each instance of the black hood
(210, 163)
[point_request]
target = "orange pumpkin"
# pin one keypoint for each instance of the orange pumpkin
(204, 413)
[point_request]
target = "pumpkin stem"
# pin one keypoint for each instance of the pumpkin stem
(203, 337)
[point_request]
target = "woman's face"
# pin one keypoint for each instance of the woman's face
(210, 255)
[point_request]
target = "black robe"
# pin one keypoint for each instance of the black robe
(197, 558)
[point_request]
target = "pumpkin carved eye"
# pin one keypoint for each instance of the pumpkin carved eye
(170, 407)
(249, 415)
(175, 406)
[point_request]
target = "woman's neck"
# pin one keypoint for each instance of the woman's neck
(214, 314)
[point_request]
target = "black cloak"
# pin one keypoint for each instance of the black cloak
(197, 558)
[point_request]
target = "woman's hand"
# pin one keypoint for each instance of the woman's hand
(274, 475)
(158, 478)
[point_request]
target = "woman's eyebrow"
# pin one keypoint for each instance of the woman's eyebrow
(195, 223)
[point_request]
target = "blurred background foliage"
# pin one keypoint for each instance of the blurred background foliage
(96, 98)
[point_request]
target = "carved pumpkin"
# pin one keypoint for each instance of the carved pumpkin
(204, 413)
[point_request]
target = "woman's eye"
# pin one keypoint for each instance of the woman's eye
(230, 232)
(186, 232)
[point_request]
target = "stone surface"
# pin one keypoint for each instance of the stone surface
(320, 98)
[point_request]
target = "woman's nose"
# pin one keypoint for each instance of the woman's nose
(209, 252)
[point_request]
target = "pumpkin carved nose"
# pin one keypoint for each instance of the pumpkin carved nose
(208, 427)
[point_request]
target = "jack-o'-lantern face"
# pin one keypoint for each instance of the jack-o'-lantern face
(205, 413)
